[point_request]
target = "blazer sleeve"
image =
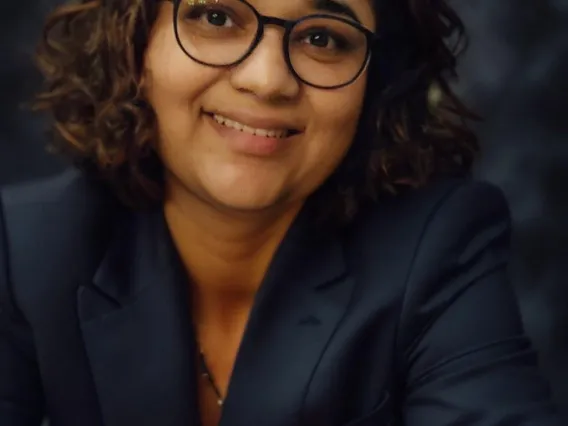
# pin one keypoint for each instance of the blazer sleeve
(21, 400)
(467, 359)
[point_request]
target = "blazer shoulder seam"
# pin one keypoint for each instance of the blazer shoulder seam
(438, 205)
(7, 303)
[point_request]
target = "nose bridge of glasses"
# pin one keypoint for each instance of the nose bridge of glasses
(273, 20)
(263, 22)
(286, 24)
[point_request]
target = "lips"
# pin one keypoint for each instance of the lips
(255, 125)
(267, 133)
(253, 135)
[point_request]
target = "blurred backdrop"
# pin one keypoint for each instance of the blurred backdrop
(515, 74)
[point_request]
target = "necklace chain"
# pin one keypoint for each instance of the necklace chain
(206, 373)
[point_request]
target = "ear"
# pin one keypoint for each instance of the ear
(142, 85)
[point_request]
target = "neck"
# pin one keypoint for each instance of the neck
(226, 254)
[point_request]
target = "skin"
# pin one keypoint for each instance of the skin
(228, 211)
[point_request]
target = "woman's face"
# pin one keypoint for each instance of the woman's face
(231, 168)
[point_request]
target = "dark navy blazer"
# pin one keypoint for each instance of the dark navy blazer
(404, 318)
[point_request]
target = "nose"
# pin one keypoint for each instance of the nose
(265, 73)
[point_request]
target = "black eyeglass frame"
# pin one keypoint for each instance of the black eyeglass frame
(288, 25)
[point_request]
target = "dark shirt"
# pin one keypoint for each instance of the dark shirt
(405, 317)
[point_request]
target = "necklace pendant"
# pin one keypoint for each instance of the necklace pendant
(220, 402)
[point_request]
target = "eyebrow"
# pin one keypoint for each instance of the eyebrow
(335, 6)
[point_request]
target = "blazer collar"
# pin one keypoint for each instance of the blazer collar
(141, 254)
(137, 332)
(136, 329)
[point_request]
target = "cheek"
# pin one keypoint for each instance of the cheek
(337, 112)
(172, 81)
(334, 124)
(174, 85)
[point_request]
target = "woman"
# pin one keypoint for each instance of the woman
(269, 223)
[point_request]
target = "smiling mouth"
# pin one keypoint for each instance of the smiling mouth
(267, 133)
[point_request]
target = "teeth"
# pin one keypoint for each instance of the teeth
(267, 133)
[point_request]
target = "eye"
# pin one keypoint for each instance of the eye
(209, 16)
(320, 39)
(325, 40)
(218, 18)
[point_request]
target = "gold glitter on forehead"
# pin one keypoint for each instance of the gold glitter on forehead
(198, 2)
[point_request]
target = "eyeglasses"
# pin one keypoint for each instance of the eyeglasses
(322, 51)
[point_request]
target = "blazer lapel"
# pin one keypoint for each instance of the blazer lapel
(297, 310)
(136, 329)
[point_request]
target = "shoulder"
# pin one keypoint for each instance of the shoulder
(440, 199)
(443, 210)
(50, 209)
(59, 190)
(411, 248)
(50, 228)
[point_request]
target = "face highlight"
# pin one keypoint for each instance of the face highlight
(250, 136)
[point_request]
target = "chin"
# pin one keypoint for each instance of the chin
(229, 188)
(244, 191)
(245, 202)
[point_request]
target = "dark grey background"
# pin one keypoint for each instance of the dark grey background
(515, 74)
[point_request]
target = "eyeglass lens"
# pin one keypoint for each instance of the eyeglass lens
(323, 51)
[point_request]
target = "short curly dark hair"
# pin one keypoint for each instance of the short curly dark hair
(413, 126)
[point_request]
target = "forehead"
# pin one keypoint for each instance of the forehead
(358, 10)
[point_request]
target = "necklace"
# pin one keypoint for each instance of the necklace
(206, 373)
